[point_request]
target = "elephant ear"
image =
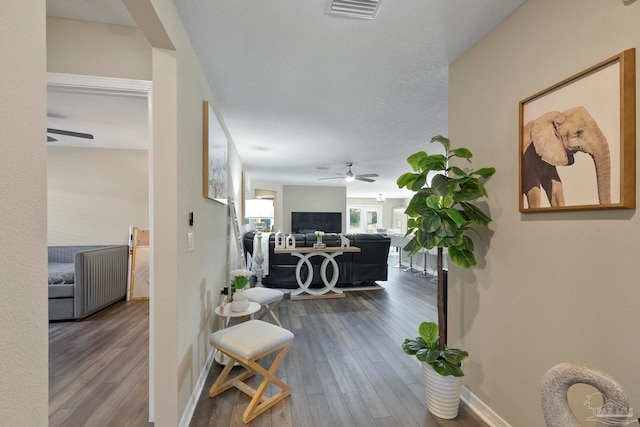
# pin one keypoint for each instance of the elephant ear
(546, 139)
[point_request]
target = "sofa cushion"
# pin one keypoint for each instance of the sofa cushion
(61, 273)
(63, 290)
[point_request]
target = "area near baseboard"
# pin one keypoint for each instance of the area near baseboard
(482, 410)
(195, 395)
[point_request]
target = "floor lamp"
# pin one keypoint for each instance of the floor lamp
(257, 209)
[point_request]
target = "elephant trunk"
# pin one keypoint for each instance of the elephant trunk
(602, 161)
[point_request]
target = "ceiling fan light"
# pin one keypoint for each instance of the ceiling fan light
(349, 176)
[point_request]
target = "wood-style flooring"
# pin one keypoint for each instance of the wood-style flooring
(345, 368)
(99, 368)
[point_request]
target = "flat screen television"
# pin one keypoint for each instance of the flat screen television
(308, 222)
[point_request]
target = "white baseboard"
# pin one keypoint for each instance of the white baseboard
(197, 391)
(482, 410)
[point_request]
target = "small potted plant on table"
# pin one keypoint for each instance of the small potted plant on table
(318, 244)
(239, 279)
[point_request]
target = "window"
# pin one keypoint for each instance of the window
(365, 219)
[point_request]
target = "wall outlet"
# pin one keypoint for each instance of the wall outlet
(190, 241)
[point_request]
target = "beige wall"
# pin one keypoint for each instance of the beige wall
(552, 287)
(95, 194)
(186, 284)
(297, 198)
(72, 45)
(24, 396)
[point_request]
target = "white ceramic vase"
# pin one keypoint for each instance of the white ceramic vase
(443, 393)
(240, 301)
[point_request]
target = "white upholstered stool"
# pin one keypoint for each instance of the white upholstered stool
(268, 299)
(246, 343)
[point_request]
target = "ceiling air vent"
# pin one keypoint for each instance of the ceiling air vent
(363, 9)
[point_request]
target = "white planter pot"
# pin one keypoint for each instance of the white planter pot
(443, 393)
(240, 301)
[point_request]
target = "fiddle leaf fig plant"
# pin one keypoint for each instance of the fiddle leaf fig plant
(442, 212)
(425, 348)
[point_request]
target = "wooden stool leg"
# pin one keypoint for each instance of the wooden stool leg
(258, 404)
(220, 386)
(269, 310)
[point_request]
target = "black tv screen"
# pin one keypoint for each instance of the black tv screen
(308, 222)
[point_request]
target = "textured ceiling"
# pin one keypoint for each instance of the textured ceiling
(302, 93)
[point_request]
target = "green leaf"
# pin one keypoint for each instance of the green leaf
(475, 214)
(466, 244)
(431, 356)
(462, 258)
(434, 162)
(415, 159)
(456, 216)
(447, 369)
(439, 185)
(457, 171)
(463, 153)
(433, 202)
(454, 356)
(419, 182)
(411, 245)
(442, 140)
(484, 172)
(426, 240)
(407, 180)
(448, 228)
(470, 189)
(451, 241)
(431, 221)
(428, 331)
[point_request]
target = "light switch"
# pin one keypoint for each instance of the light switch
(190, 242)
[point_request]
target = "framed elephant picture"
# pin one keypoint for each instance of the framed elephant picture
(577, 141)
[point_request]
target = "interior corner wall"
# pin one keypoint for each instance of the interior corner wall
(24, 396)
(549, 287)
(298, 198)
(95, 194)
(191, 287)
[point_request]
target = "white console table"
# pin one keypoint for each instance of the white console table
(330, 254)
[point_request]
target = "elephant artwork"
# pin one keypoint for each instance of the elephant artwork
(552, 140)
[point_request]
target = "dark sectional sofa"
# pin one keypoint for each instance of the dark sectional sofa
(85, 279)
(355, 269)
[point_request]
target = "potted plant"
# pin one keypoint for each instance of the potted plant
(441, 369)
(441, 215)
(240, 279)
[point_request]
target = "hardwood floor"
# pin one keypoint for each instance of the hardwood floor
(346, 366)
(99, 368)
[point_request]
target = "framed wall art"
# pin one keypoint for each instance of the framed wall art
(577, 141)
(215, 161)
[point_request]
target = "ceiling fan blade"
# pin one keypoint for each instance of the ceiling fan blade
(70, 133)
(360, 178)
(49, 139)
(334, 177)
(367, 175)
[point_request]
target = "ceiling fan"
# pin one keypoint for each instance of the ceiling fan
(350, 176)
(67, 133)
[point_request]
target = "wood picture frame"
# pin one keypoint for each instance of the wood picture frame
(575, 133)
(215, 156)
